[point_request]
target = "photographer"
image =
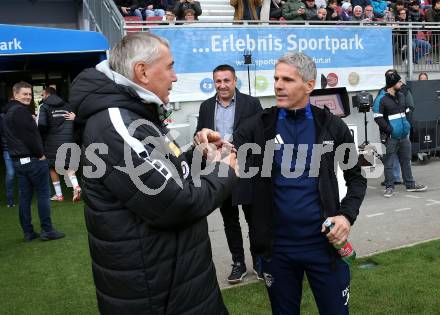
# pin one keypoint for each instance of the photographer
(183, 5)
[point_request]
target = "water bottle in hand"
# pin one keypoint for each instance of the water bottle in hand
(345, 250)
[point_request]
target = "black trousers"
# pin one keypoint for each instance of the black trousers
(231, 221)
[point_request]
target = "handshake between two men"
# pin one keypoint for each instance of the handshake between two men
(216, 149)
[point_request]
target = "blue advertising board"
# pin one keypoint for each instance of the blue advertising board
(353, 56)
(22, 40)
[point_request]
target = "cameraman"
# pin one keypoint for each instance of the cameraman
(183, 5)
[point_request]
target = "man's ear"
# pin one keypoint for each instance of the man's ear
(141, 73)
(310, 85)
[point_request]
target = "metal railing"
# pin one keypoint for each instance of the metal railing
(103, 16)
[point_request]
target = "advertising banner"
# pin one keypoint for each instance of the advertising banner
(24, 40)
(354, 57)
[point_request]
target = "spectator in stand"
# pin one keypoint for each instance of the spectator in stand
(396, 7)
(190, 15)
(379, 8)
(56, 124)
(321, 3)
(9, 166)
(26, 150)
(182, 5)
(362, 3)
(357, 14)
(311, 10)
(322, 14)
(170, 16)
(433, 14)
(246, 10)
(368, 13)
(129, 8)
(421, 47)
(294, 10)
(276, 9)
(423, 76)
(332, 12)
(402, 16)
(414, 14)
(152, 8)
(346, 11)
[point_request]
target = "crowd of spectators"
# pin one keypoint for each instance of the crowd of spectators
(357, 10)
(341, 10)
(167, 10)
(291, 10)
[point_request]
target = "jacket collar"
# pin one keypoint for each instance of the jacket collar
(321, 117)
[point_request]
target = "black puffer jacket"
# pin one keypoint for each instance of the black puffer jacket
(55, 129)
(151, 253)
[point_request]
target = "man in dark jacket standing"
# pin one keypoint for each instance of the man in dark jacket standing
(26, 150)
(394, 128)
(56, 123)
(225, 112)
(295, 189)
(145, 206)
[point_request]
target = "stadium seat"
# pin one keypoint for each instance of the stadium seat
(154, 18)
(131, 22)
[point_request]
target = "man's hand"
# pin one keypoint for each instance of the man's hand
(70, 116)
(339, 232)
(208, 136)
(230, 158)
(124, 10)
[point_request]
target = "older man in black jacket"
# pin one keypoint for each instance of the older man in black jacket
(225, 112)
(145, 206)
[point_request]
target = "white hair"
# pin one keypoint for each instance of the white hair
(141, 46)
(304, 64)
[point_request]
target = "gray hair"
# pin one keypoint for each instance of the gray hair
(133, 48)
(304, 64)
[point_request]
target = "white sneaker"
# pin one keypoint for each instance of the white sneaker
(57, 198)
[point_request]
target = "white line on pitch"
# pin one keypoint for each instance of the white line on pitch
(432, 202)
(403, 209)
(374, 215)
(411, 196)
(371, 187)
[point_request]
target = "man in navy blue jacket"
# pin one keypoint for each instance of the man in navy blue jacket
(295, 189)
